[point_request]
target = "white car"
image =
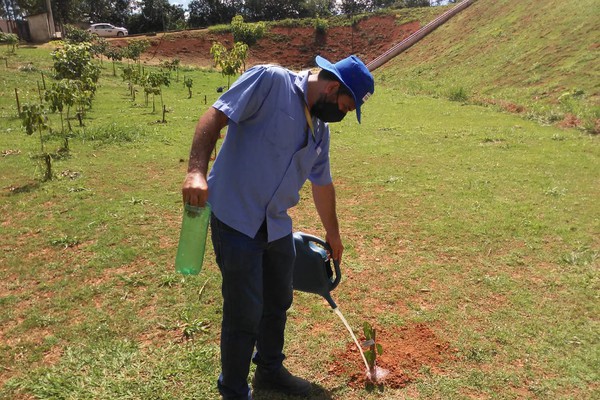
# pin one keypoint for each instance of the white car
(107, 30)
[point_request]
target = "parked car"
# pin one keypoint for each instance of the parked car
(107, 30)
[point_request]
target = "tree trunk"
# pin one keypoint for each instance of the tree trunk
(68, 119)
(373, 350)
(48, 173)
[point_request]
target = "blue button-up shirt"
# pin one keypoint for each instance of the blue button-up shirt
(268, 152)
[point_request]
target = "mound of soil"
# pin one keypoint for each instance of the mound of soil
(293, 48)
(408, 351)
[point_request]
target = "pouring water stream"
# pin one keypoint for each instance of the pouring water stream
(375, 375)
(362, 354)
(313, 273)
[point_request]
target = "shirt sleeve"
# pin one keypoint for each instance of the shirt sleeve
(245, 97)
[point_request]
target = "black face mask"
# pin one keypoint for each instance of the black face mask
(326, 111)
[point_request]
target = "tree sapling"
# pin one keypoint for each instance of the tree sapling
(375, 374)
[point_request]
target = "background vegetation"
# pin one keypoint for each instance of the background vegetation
(146, 16)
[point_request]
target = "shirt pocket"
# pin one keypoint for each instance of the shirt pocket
(285, 132)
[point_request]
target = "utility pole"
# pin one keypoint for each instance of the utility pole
(52, 28)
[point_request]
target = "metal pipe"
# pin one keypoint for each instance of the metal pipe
(418, 35)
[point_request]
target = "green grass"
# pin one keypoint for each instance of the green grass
(497, 216)
(542, 57)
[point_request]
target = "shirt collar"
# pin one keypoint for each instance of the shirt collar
(301, 83)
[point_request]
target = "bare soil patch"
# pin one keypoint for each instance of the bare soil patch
(408, 351)
(291, 47)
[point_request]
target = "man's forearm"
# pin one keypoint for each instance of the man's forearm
(205, 138)
(324, 198)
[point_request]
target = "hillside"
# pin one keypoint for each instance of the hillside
(539, 58)
(294, 44)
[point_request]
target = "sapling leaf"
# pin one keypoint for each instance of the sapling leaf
(379, 349)
(370, 357)
(368, 331)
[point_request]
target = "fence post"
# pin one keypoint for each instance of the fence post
(18, 104)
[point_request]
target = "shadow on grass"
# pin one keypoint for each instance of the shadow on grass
(27, 188)
(375, 388)
(317, 393)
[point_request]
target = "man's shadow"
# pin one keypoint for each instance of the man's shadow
(317, 392)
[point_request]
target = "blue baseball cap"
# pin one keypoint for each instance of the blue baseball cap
(355, 75)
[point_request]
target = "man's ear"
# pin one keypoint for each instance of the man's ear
(331, 87)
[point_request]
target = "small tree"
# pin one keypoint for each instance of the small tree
(374, 349)
(61, 94)
(69, 93)
(11, 40)
(99, 47)
(231, 62)
(132, 76)
(155, 81)
(135, 48)
(83, 100)
(170, 66)
(33, 118)
(148, 90)
(114, 54)
(188, 82)
(74, 61)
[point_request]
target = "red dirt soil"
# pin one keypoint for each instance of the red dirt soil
(407, 352)
(293, 48)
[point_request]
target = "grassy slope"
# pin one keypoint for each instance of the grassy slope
(526, 52)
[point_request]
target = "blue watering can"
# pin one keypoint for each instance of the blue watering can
(312, 268)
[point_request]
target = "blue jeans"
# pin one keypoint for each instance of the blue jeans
(257, 292)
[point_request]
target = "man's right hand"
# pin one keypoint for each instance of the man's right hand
(195, 189)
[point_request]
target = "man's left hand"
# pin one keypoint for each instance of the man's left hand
(337, 248)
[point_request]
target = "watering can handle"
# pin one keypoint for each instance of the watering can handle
(336, 263)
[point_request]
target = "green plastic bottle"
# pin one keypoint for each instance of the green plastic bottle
(192, 239)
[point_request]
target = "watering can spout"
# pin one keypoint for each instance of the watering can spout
(331, 302)
(313, 272)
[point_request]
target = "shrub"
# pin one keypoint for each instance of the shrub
(321, 25)
(76, 35)
(11, 40)
(74, 61)
(458, 94)
(247, 33)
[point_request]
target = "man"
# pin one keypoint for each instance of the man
(277, 138)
